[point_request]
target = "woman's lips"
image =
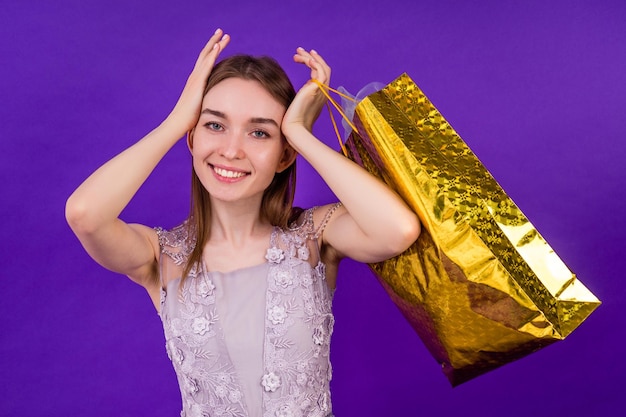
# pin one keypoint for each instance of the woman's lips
(228, 173)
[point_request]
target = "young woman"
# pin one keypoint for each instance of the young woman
(244, 286)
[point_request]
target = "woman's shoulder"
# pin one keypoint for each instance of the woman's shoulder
(311, 222)
(177, 242)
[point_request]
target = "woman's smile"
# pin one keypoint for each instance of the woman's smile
(228, 174)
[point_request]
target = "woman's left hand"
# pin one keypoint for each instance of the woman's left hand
(308, 103)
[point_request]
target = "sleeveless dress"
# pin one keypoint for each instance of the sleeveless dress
(254, 341)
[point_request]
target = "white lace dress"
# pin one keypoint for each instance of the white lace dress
(255, 341)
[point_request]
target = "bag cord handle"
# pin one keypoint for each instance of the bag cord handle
(325, 89)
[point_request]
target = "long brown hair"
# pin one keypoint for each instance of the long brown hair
(276, 205)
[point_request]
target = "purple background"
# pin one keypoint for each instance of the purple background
(535, 87)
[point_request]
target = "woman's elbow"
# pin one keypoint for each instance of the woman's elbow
(77, 215)
(408, 232)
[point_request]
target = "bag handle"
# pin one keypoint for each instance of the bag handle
(326, 89)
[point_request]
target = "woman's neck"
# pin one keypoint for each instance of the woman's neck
(239, 237)
(237, 223)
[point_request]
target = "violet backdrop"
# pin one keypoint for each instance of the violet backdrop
(536, 88)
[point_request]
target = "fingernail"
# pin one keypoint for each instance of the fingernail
(217, 30)
(313, 51)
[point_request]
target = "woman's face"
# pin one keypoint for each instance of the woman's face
(237, 144)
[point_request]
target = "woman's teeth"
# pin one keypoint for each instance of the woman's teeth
(228, 174)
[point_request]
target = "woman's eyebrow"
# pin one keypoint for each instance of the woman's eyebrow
(214, 113)
(263, 120)
(257, 120)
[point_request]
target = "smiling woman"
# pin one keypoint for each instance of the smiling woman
(244, 286)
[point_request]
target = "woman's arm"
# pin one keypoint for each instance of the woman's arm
(374, 223)
(93, 210)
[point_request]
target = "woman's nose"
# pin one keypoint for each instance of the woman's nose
(233, 147)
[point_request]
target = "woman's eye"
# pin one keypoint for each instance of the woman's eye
(259, 134)
(213, 126)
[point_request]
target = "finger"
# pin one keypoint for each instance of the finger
(208, 47)
(319, 58)
(215, 38)
(319, 68)
(225, 40)
(301, 56)
(218, 40)
(219, 46)
(206, 63)
(304, 57)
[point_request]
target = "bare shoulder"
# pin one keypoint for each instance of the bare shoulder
(324, 216)
(314, 221)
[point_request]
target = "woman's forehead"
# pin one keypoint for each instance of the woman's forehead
(239, 87)
(237, 96)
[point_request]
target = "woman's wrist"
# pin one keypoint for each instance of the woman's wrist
(296, 133)
(173, 127)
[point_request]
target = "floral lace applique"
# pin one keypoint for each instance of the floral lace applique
(275, 255)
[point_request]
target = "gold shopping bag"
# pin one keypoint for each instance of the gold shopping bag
(480, 286)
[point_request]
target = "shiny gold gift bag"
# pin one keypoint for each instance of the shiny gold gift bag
(480, 286)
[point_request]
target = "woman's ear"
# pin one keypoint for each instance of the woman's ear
(288, 157)
(190, 138)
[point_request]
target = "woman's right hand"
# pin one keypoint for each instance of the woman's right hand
(187, 110)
